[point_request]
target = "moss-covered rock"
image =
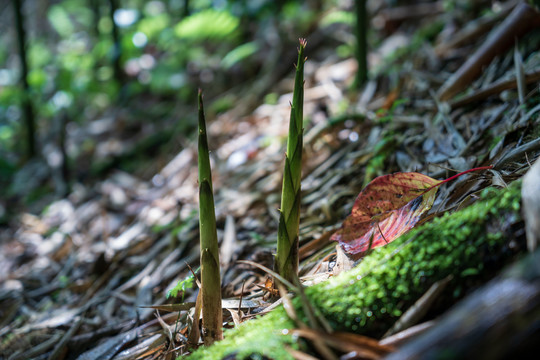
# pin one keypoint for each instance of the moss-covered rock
(471, 244)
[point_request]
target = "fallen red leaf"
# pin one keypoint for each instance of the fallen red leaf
(388, 207)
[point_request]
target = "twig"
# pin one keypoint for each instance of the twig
(270, 272)
(420, 307)
(60, 349)
(517, 153)
(405, 335)
(493, 89)
(241, 296)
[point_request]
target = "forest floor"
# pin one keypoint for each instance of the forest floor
(77, 278)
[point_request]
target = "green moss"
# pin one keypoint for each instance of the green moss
(454, 244)
(263, 336)
(371, 297)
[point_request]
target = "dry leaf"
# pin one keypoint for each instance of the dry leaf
(388, 207)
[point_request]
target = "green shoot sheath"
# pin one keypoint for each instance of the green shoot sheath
(289, 219)
(211, 282)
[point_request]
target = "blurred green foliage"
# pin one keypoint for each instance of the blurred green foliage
(165, 54)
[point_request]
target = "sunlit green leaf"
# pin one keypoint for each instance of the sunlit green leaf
(238, 54)
(152, 26)
(208, 24)
(60, 21)
(338, 17)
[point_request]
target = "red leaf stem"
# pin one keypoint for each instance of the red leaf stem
(462, 173)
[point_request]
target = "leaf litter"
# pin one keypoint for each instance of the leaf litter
(107, 250)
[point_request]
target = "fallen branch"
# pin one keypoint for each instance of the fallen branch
(523, 19)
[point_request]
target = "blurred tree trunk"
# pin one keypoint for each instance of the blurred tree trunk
(185, 9)
(361, 43)
(278, 6)
(62, 139)
(29, 121)
(96, 14)
(117, 68)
